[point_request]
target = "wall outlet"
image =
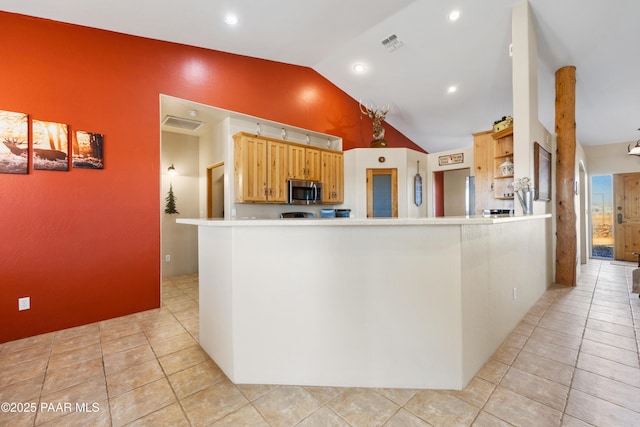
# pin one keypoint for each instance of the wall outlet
(24, 303)
(167, 258)
(515, 294)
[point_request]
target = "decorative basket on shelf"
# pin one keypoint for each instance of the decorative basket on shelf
(503, 123)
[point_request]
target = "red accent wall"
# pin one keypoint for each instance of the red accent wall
(438, 191)
(85, 244)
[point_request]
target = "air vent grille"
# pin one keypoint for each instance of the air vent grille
(392, 43)
(180, 123)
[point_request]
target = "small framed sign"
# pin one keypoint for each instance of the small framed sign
(451, 159)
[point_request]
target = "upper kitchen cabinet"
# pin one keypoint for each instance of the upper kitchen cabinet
(332, 177)
(304, 163)
(263, 165)
(260, 169)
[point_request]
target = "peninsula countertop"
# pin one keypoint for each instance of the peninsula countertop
(357, 302)
(320, 222)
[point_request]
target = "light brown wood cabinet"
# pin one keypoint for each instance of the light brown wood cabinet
(332, 177)
(263, 165)
(260, 170)
(304, 163)
(277, 172)
(490, 151)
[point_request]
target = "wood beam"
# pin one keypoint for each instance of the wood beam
(566, 233)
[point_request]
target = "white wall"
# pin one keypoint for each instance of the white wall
(527, 127)
(178, 241)
(611, 158)
(454, 192)
(358, 160)
(212, 149)
(434, 166)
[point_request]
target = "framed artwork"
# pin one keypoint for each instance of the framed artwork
(50, 146)
(87, 150)
(14, 142)
(542, 173)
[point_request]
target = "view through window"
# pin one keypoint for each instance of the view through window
(602, 216)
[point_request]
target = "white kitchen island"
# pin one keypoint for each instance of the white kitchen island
(400, 303)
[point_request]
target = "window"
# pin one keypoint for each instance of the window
(602, 217)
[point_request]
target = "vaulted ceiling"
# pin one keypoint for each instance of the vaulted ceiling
(598, 37)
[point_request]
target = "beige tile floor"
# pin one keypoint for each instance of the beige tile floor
(572, 361)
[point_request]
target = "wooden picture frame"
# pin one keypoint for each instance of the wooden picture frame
(50, 143)
(542, 173)
(87, 149)
(14, 142)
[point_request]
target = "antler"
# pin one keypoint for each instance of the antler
(374, 111)
(366, 111)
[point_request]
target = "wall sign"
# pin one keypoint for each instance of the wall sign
(451, 159)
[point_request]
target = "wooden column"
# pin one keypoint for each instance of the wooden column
(567, 241)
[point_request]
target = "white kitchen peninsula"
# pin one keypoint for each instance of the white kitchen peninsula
(402, 303)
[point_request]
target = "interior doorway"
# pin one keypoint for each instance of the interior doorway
(215, 191)
(382, 193)
(455, 192)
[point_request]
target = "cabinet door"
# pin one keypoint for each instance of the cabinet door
(339, 178)
(483, 170)
(332, 176)
(277, 172)
(312, 164)
(250, 169)
(296, 169)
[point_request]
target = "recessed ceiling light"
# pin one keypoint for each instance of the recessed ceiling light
(453, 15)
(452, 89)
(231, 19)
(359, 68)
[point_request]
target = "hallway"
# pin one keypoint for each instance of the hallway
(572, 361)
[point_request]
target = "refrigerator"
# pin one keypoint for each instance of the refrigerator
(470, 195)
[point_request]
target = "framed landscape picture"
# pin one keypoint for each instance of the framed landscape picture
(87, 150)
(542, 173)
(14, 142)
(50, 146)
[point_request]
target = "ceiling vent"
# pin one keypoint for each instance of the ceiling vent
(392, 43)
(180, 123)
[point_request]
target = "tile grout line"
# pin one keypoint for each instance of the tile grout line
(636, 326)
(573, 371)
(184, 412)
(44, 378)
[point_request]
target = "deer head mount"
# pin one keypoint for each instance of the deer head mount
(377, 114)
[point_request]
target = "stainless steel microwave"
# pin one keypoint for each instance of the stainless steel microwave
(305, 192)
